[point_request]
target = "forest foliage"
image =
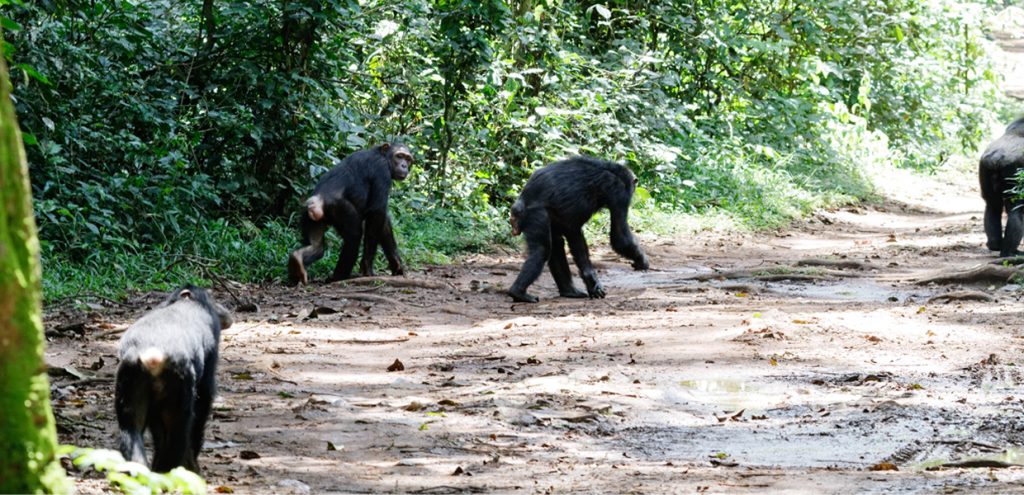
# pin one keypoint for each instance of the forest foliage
(166, 136)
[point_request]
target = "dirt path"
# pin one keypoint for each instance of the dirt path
(670, 384)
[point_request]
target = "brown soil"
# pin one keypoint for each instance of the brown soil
(677, 382)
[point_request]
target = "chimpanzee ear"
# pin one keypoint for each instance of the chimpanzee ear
(185, 294)
(384, 148)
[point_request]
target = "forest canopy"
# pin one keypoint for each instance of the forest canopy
(170, 138)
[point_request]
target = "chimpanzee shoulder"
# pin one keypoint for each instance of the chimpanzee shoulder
(1006, 152)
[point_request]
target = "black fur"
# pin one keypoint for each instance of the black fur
(166, 381)
(997, 172)
(353, 198)
(554, 205)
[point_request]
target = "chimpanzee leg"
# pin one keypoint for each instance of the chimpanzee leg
(312, 250)
(1014, 228)
(390, 247)
(581, 255)
(351, 231)
(173, 419)
(131, 402)
(204, 403)
(559, 266)
(538, 247)
(989, 181)
(372, 226)
(622, 238)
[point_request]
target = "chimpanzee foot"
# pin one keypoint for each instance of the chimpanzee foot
(994, 246)
(641, 263)
(595, 291)
(522, 296)
(296, 271)
(574, 294)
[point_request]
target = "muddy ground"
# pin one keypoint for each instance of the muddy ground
(730, 367)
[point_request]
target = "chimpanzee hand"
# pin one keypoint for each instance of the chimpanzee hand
(594, 289)
(397, 270)
(641, 263)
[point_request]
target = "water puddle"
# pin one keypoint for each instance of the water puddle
(850, 290)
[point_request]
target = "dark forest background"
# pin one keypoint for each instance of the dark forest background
(170, 139)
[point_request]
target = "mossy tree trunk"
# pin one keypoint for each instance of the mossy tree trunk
(28, 437)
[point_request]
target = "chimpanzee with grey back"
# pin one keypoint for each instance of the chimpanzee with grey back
(997, 172)
(353, 198)
(554, 205)
(166, 380)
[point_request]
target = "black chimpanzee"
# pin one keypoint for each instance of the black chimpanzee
(353, 198)
(167, 379)
(997, 172)
(555, 203)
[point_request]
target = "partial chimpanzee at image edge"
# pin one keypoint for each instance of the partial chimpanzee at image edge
(167, 379)
(997, 172)
(353, 198)
(554, 205)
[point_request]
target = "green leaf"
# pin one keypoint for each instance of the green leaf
(9, 24)
(34, 74)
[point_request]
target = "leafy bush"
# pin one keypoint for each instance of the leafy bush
(160, 127)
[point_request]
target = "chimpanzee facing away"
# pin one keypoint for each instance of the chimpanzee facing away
(555, 203)
(996, 171)
(353, 198)
(167, 378)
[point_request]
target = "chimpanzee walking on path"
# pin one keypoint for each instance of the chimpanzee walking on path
(353, 198)
(166, 381)
(554, 205)
(997, 172)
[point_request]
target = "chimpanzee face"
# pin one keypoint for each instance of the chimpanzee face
(399, 159)
(513, 220)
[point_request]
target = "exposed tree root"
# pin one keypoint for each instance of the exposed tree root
(984, 273)
(399, 282)
(838, 264)
(1014, 261)
(776, 273)
(964, 295)
(980, 463)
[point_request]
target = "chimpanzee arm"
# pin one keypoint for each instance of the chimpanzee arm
(387, 240)
(622, 238)
(559, 266)
(131, 402)
(536, 227)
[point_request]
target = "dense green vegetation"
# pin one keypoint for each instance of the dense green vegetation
(169, 139)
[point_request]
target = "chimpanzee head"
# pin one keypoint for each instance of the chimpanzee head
(515, 217)
(399, 159)
(200, 296)
(1016, 128)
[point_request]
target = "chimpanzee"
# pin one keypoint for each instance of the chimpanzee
(997, 173)
(552, 208)
(167, 378)
(353, 198)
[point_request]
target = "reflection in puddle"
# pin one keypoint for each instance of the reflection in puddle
(734, 394)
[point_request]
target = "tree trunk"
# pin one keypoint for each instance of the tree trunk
(28, 437)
